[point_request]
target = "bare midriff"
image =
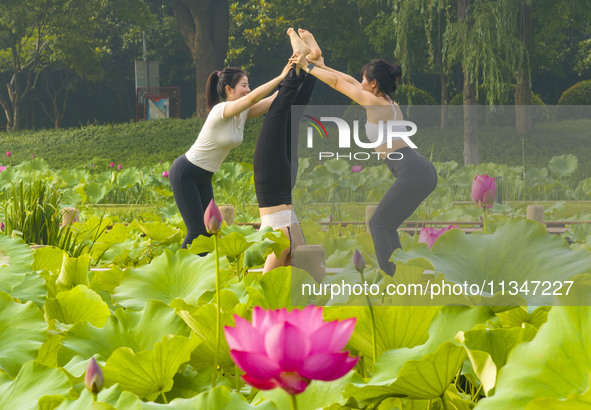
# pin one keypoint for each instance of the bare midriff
(383, 149)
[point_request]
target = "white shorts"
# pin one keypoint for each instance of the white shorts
(279, 219)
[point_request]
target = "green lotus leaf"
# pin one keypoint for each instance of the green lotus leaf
(114, 245)
(74, 271)
(563, 165)
(219, 398)
(95, 192)
(50, 402)
(48, 258)
(488, 350)
(33, 288)
(318, 394)
(202, 320)
(78, 305)
(169, 276)
(233, 245)
(518, 316)
(159, 232)
(271, 241)
(520, 251)
(22, 332)
(150, 372)
(275, 289)
(114, 396)
(554, 365)
(127, 178)
(189, 383)
(16, 260)
(107, 279)
(48, 352)
(337, 167)
(426, 378)
(136, 330)
(396, 326)
(34, 381)
(574, 401)
(443, 328)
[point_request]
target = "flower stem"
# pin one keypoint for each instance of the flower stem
(94, 396)
(163, 397)
(294, 402)
(373, 328)
(218, 324)
(485, 223)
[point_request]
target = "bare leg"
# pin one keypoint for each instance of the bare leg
(296, 237)
(308, 38)
(297, 45)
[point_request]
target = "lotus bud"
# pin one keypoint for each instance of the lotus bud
(212, 218)
(94, 377)
(8, 154)
(112, 164)
(165, 174)
(484, 190)
(119, 167)
(358, 261)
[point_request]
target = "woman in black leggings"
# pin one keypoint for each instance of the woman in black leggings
(191, 173)
(415, 176)
(275, 165)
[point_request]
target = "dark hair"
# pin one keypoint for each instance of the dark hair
(217, 82)
(385, 73)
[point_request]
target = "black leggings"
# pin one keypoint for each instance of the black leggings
(416, 178)
(192, 189)
(275, 169)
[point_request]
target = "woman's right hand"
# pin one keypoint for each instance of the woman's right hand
(286, 69)
(300, 60)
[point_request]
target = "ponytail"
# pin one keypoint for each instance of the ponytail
(215, 89)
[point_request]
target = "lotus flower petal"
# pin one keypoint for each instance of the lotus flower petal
(328, 366)
(287, 346)
(257, 365)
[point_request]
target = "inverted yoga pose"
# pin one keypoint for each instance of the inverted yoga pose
(415, 176)
(275, 165)
(230, 102)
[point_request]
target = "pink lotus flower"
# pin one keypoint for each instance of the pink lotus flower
(94, 377)
(290, 349)
(112, 164)
(484, 190)
(2, 226)
(8, 154)
(2, 168)
(356, 168)
(119, 167)
(165, 174)
(212, 218)
(429, 235)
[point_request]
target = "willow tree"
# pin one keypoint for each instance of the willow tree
(204, 25)
(478, 35)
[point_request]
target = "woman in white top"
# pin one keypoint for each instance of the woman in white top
(230, 102)
(415, 176)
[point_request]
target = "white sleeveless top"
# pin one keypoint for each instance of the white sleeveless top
(216, 138)
(373, 130)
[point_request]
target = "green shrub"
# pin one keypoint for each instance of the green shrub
(578, 94)
(507, 97)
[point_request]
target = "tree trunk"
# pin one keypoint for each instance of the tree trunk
(442, 75)
(204, 25)
(470, 108)
(523, 111)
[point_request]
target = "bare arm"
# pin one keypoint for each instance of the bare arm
(320, 64)
(339, 83)
(237, 106)
(262, 107)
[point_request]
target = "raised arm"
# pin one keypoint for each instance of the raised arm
(352, 90)
(237, 106)
(320, 64)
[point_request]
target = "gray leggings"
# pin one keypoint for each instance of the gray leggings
(416, 178)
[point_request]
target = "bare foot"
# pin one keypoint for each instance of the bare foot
(308, 38)
(297, 43)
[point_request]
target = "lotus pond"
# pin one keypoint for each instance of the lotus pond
(116, 287)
